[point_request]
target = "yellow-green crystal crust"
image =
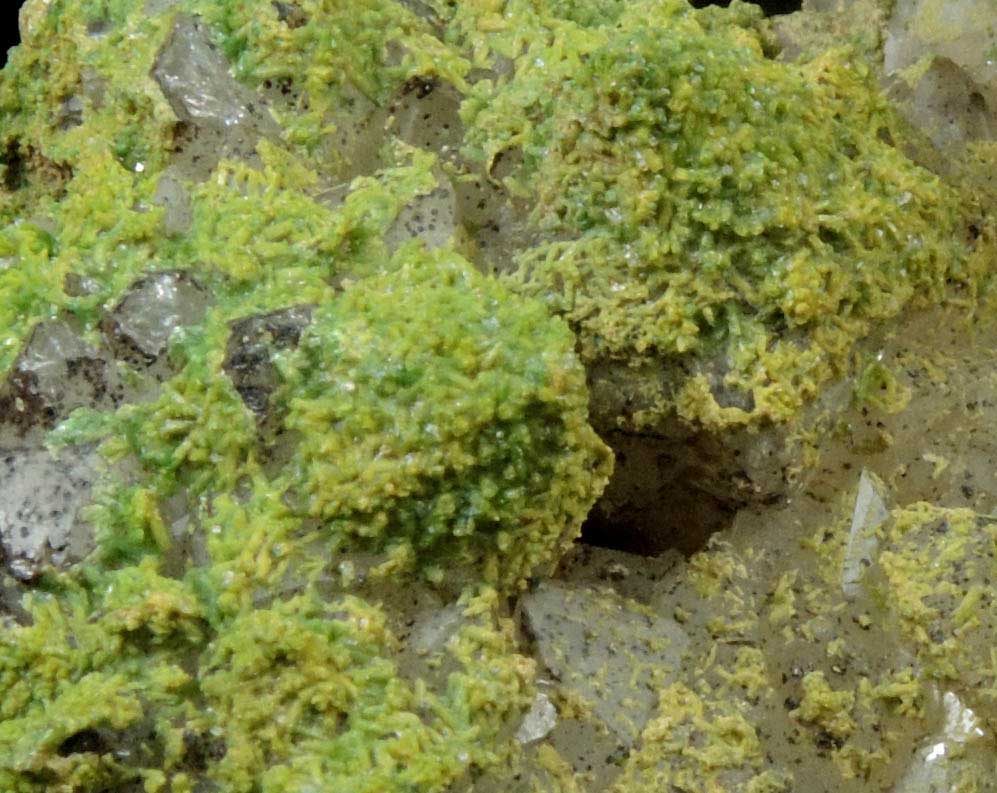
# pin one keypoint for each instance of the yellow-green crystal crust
(704, 201)
(692, 198)
(232, 670)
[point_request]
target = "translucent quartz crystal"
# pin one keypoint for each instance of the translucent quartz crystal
(605, 651)
(223, 118)
(153, 309)
(869, 513)
(40, 520)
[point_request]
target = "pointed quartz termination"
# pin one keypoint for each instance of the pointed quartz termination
(426, 114)
(252, 346)
(433, 629)
(868, 515)
(52, 350)
(431, 218)
(946, 760)
(948, 107)
(56, 372)
(960, 30)
(426, 637)
(173, 196)
(539, 720)
(219, 117)
(40, 521)
(605, 650)
(156, 305)
(943, 58)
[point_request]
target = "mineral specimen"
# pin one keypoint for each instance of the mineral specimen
(306, 308)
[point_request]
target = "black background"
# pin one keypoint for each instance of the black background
(9, 9)
(8, 25)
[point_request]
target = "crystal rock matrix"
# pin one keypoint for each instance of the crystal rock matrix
(305, 310)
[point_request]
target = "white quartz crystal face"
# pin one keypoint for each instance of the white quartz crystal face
(152, 310)
(948, 759)
(196, 81)
(219, 117)
(943, 54)
(426, 113)
(963, 30)
(869, 513)
(428, 629)
(53, 352)
(172, 194)
(950, 108)
(539, 720)
(40, 521)
(57, 371)
(431, 633)
(604, 650)
(429, 218)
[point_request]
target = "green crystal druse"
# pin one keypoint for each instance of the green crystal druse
(438, 412)
(722, 223)
(397, 417)
(327, 356)
(132, 682)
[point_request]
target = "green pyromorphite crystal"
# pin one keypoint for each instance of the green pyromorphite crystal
(129, 682)
(439, 413)
(704, 202)
(426, 426)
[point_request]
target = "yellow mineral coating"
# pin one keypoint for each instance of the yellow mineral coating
(693, 200)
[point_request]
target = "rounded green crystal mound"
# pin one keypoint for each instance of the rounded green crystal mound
(440, 413)
(427, 415)
(711, 207)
